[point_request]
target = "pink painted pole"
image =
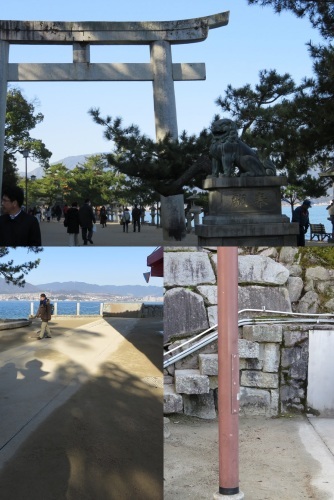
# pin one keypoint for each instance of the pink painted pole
(228, 372)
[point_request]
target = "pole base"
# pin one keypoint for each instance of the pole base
(237, 496)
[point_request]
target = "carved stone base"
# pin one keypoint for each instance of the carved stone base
(246, 211)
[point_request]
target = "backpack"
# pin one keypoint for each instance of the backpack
(126, 216)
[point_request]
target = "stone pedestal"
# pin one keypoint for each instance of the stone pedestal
(246, 211)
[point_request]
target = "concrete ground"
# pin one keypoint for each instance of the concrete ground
(290, 458)
(81, 413)
(54, 234)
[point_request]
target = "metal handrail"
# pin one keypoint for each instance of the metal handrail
(309, 318)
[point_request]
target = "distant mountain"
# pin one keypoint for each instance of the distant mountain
(10, 288)
(78, 286)
(70, 162)
(75, 287)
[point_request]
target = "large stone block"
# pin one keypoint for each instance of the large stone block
(259, 297)
(317, 273)
(187, 269)
(201, 405)
(263, 333)
(173, 402)
(212, 315)
(262, 380)
(191, 382)
(292, 338)
(260, 270)
(254, 401)
(184, 313)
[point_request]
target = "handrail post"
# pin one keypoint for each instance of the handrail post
(228, 374)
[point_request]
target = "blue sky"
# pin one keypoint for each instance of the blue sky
(101, 265)
(256, 38)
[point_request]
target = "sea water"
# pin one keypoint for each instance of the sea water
(13, 309)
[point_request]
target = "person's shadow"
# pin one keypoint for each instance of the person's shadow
(29, 473)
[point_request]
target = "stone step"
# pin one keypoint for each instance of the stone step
(173, 402)
(191, 382)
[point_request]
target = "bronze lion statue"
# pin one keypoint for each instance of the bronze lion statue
(227, 152)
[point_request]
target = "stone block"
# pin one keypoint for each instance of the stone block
(212, 312)
(173, 402)
(254, 401)
(288, 254)
(295, 288)
(309, 303)
(271, 358)
(248, 349)
(263, 333)
(252, 378)
(257, 297)
(213, 383)
(187, 269)
(208, 364)
(250, 364)
(261, 270)
(274, 402)
(201, 405)
(295, 270)
(184, 313)
(291, 338)
(191, 382)
(317, 273)
(209, 293)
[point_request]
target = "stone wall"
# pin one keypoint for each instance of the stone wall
(273, 358)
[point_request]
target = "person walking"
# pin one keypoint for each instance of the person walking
(126, 220)
(301, 215)
(44, 312)
(72, 222)
(103, 216)
(136, 213)
(87, 219)
(17, 228)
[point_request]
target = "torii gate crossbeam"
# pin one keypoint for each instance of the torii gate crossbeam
(159, 36)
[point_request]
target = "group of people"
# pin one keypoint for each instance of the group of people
(83, 217)
(126, 219)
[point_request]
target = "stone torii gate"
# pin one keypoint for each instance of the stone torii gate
(159, 36)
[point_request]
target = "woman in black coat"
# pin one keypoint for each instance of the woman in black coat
(72, 223)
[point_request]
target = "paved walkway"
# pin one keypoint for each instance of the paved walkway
(54, 234)
(80, 412)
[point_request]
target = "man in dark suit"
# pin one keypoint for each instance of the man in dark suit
(17, 228)
(87, 219)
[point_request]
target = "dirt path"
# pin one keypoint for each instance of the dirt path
(274, 464)
(105, 442)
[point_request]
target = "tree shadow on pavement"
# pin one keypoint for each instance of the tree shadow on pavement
(104, 443)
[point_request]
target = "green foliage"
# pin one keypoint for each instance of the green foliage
(14, 273)
(164, 167)
(20, 120)
(317, 256)
(93, 179)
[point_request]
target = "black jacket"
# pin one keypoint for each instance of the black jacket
(22, 231)
(72, 220)
(86, 215)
